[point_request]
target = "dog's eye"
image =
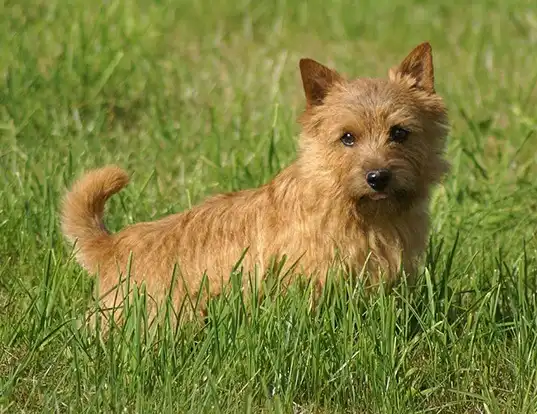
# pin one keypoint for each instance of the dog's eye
(398, 134)
(348, 139)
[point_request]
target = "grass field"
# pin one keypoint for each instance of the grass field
(198, 98)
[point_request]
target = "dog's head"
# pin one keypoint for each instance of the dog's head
(378, 141)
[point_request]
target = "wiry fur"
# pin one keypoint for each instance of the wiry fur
(317, 209)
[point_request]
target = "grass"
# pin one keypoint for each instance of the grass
(198, 98)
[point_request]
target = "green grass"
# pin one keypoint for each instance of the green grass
(198, 98)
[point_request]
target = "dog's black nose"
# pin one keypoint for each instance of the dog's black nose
(378, 179)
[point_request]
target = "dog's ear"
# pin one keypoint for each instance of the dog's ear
(418, 66)
(317, 80)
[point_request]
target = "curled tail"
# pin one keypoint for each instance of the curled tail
(83, 206)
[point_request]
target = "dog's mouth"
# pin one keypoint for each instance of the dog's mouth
(378, 196)
(397, 195)
(394, 195)
(399, 199)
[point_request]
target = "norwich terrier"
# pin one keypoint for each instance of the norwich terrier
(356, 196)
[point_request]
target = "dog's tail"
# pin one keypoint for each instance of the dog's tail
(83, 206)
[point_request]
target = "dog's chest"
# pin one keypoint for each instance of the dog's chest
(388, 246)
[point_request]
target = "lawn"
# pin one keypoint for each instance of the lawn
(195, 99)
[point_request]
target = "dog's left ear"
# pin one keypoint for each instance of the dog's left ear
(418, 65)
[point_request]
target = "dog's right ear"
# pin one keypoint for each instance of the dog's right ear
(317, 80)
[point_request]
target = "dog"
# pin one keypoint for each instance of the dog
(357, 195)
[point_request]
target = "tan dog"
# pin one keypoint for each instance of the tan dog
(370, 152)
